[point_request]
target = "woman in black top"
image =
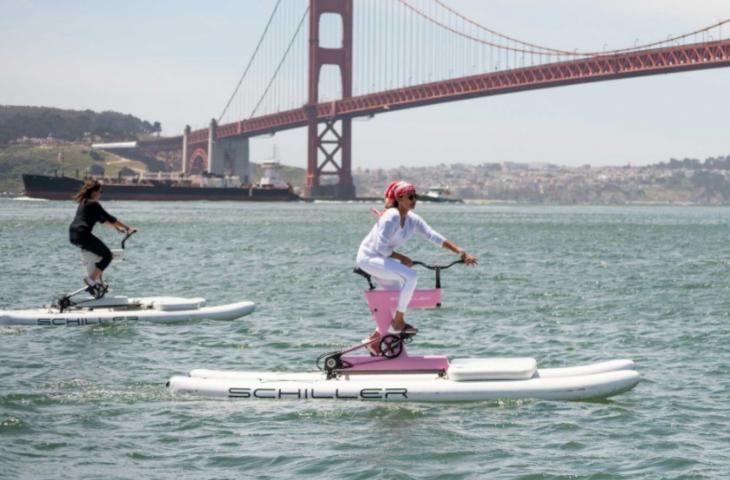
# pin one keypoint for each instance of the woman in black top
(88, 214)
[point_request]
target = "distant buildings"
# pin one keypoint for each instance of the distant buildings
(47, 141)
(688, 181)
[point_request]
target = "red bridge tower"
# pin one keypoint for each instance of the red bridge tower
(329, 139)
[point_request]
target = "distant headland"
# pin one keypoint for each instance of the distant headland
(45, 140)
(675, 181)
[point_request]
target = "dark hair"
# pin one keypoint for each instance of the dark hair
(89, 187)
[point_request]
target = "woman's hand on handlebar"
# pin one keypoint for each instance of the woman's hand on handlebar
(465, 257)
(468, 259)
(125, 229)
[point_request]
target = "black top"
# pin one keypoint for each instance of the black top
(88, 213)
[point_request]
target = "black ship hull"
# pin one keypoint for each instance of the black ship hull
(64, 188)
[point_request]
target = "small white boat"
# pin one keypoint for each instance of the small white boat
(464, 380)
(438, 195)
(114, 309)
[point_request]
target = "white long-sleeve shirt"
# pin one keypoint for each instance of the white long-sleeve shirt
(387, 234)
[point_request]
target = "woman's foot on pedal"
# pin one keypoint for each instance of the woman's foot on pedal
(372, 344)
(95, 288)
(100, 290)
(92, 286)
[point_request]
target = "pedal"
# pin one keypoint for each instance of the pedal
(99, 291)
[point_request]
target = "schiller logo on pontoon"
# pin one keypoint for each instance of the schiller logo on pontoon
(316, 394)
(80, 321)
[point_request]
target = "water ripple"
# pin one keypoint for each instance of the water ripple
(567, 285)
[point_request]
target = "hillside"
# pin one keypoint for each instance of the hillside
(676, 181)
(66, 159)
(17, 122)
(77, 159)
(52, 141)
(45, 140)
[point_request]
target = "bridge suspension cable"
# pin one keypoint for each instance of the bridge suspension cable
(537, 48)
(250, 61)
(397, 44)
(532, 48)
(278, 67)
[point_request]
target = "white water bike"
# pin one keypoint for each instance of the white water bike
(97, 291)
(392, 374)
(91, 305)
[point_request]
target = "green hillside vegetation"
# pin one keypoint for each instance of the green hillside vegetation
(72, 125)
(76, 159)
(80, 160)
(68, 153)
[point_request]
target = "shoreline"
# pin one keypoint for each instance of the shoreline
(467, 202)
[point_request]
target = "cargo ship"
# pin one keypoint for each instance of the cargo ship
(166, 186)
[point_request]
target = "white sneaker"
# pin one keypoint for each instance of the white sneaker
(95, 288)
(408, 330)
(372, 344)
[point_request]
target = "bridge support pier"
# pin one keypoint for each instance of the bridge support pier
(228, 156)
(330, 140)
(186, 134)
(327, 139)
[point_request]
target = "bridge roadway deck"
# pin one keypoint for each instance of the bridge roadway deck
(593, 69)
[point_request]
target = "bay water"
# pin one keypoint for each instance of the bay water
(567, 285)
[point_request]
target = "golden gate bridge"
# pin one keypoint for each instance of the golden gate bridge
(320, 63)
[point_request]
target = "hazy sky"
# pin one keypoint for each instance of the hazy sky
(177, 62)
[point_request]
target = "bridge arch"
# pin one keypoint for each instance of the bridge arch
(198, 162)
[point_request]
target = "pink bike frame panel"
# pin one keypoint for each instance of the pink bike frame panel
(382, 307)
(383, 304)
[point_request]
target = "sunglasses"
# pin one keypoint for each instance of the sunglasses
(412, 197)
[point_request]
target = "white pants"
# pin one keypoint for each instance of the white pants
(390, 274)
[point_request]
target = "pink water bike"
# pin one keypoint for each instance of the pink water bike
(387, 352)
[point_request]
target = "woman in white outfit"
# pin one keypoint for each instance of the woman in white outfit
(390, 269)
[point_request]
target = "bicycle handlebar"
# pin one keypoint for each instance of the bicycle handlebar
(126, 237)
(438, 267)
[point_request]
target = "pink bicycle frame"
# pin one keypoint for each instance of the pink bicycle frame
(383, 305)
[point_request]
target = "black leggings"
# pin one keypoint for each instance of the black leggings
(94, 245)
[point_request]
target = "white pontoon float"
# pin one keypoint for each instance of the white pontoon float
(90, 305)
(394, 375)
